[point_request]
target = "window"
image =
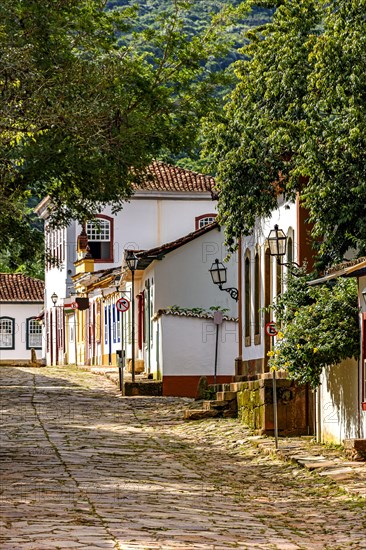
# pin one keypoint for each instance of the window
(205, 219)
(106, 325)
(114, 325)
(7, 333)
(55, 247)
(34, 334)
(248, 298)
(100, 238)
(257, 289)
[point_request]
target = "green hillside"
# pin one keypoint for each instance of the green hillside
(196, 19)
(196, 16)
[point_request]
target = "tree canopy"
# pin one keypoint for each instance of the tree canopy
(89, 97)
(296, 123)
(83, 112)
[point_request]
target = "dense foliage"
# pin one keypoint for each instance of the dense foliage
(320, 327)
(296, 122)
(89, 98)
(80, 108)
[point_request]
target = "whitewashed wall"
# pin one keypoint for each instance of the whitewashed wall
(188, 346)
(182, 278)
(285, 218)
(19, 312)
(338, 411)
(150, 220)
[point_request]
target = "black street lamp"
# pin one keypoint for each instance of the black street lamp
(54, 299)
(277, 242)
(219, 277)
(132, 261)
(117, 282)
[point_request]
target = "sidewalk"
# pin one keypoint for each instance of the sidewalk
(320, 459)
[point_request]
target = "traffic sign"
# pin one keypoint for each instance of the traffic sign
(75, 305)
(271, 329)
(122, 304)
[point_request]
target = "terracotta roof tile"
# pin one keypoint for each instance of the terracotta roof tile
(165, 177)
(16, 287)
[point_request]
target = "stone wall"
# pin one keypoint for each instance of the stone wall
(294, 406)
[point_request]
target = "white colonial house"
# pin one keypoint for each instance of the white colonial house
(337, 411)
(21, 301)
(341, 397)
(174, 300)
(172, 202)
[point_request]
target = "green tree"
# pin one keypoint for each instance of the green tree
(320, 327)
(84, 113)
(296, 123)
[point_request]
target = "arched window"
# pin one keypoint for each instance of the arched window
(267, 302)
(100, 238)
(257, 290)
(279, 278)
(248, 298)
(34, 334)
(7, 331)
(204, 219)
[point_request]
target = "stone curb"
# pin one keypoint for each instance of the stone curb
(350, 475)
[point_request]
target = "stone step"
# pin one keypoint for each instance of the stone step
(199, 414)
(226, 395)
(220, 405)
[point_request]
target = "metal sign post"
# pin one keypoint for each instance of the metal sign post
(217, 319)
(122, 305)
(271, 330)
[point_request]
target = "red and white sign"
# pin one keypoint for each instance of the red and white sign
(75, 305)
(122, 304)
(271, 329)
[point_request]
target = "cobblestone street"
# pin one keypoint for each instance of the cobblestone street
(85, 468)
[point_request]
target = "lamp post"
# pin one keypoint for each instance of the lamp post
(277, 242)
(132, 262)
(218, 274)
(54, 299)
(120, 353)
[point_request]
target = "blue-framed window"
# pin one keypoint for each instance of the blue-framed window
(34, 334)
(7, 333)
(114, 326)
(106, 322)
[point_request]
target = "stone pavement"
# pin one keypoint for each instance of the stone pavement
(350, 475)
(84, 468)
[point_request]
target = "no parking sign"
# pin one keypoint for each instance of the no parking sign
(271, 329)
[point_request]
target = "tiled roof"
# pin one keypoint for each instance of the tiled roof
(353, 268)
(162, 177)
(203, 315)
(165, 177)
(15, 287)
(345, 265)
